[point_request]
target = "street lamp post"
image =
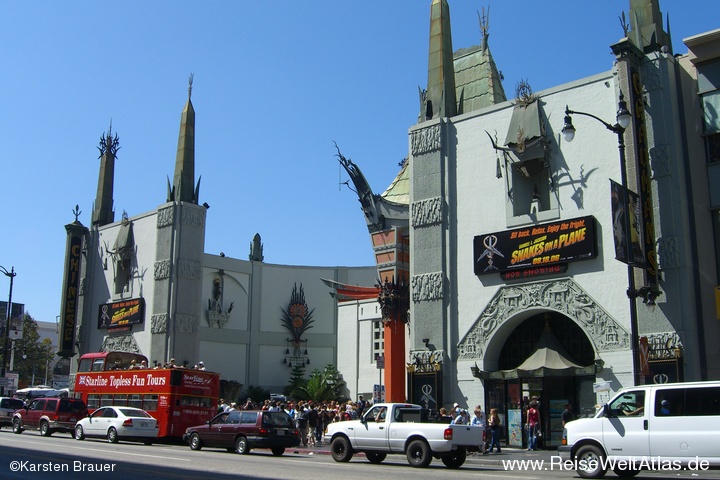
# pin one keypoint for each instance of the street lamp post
(623, 121)
(12, 275)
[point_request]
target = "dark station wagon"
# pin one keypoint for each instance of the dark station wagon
(242, 430)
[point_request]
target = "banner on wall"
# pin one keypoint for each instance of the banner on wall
(536, 246)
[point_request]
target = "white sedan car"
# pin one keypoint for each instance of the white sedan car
(114, 423)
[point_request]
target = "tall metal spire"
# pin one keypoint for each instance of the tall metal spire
(440, 100)
(103, 210)
(182, 189)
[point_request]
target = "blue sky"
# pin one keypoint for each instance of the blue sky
(275, 83)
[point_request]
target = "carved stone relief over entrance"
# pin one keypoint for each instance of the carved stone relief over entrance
(564, 296)
(121, 343)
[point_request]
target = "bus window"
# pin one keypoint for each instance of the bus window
(93, 401)
(120, 400)
(150, 403)
(106, 400)
(98, 365)
(135, 401)
(85, 365)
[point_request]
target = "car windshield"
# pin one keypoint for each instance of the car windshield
(277, 419)
(131, 412)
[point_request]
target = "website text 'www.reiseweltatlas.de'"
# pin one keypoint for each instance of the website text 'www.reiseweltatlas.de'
(641, 463)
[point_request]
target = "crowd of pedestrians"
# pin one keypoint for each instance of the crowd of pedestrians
(312, 418)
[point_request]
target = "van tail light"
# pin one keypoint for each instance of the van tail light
(448, 434)
(264, 431)
(128, 423)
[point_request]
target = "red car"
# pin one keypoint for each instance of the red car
(50, 415)
(242, 430)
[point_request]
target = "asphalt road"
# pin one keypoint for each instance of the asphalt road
(30, 456)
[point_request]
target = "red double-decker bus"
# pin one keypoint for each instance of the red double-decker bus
(177, 397)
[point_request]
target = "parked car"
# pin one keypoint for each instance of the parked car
(242, 430)
(8, 405)
(50, 415)
(115, 423)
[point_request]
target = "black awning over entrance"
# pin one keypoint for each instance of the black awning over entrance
(549, 359)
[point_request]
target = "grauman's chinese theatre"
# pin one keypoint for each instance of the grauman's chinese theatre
(541, 242)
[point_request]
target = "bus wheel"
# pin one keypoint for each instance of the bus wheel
(195, 442)
(79, 434)
(241, 446)
(112, 435)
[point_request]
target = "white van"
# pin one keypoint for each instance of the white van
(667, 427)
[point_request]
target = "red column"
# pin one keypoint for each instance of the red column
(395, 362)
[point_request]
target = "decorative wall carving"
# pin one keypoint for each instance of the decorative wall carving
(189, 269)
(162, 269)
(120, 343)
(185, 323)
(660, 161)
(664, 345)
(426, 140)
(217, 314)
(426, 212)
(668, 253)
(563, 296)
(165, 216)
(651, 77)
(193, 217)
(158, 323)
(422, 361)
(428, 286)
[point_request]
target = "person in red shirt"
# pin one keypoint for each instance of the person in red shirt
(533, 425)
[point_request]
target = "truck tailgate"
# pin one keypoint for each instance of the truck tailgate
(467, 435)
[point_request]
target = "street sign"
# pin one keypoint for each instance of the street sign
(380, 361)
(6, 382)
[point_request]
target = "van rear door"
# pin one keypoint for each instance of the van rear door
(625, 426)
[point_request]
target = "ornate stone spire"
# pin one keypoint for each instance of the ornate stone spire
(182, 188)
(103, 210)
(646, 26)
(440, 98)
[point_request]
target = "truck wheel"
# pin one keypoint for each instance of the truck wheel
(341, 449)
(375, 457)
(17, 427)
(590, 462)
(454, 458)
(418, 454)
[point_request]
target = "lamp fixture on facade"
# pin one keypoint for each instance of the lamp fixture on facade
(623, 120)
(647, 294)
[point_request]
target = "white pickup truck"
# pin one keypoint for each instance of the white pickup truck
(401, 428)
